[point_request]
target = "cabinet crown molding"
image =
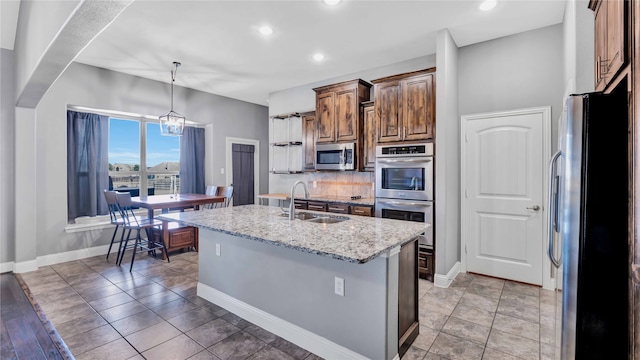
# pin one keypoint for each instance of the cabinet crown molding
(405, 75)
(348, 82)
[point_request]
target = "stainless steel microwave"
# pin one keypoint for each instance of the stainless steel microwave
(336, 156)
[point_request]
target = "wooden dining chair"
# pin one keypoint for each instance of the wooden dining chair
(133, 222)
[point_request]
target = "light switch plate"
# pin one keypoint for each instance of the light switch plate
(217, 249)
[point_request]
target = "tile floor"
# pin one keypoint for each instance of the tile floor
(104, 312)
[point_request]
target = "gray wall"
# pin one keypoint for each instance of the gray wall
(513, 72)
(103, 89)
(299, 287)
(7, 198)
(303, 98)
(578, 31)
(39, 23)
(447, 159)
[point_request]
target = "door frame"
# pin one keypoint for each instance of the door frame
(256, 163)
(545, 111)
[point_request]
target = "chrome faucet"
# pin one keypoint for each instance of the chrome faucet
(292, 206)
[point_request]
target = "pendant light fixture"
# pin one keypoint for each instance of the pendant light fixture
(172, 123)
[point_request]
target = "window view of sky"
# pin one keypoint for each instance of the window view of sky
(124, 144)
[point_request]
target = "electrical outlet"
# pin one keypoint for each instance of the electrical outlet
(217, 249)
(315, 184)
(339, 286)
(221, 170)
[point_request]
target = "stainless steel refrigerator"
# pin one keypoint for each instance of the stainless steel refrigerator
(588, 227)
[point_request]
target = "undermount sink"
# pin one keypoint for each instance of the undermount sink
(317, 218)
(305, 216)
(327, 220)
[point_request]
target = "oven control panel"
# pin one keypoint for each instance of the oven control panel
(425, 149)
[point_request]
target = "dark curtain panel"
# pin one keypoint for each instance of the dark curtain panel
(87, 164)
(243, 189)
(192, 161)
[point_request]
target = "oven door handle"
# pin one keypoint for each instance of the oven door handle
(428, 159)
(402, 203)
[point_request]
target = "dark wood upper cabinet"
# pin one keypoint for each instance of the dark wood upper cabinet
(338, 109)
(388, 111)
(405, 107)
(418, 101)
(325, 120)
(369, 137)
(611, 38)
(346, 117)
(308, 140)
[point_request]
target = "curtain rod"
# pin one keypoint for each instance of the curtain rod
(113, 113)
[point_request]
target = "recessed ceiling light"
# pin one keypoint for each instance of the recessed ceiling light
(265, 30)
(487, 5)
(332, 2)
(318, 57)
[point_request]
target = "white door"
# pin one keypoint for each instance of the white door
(504, 157)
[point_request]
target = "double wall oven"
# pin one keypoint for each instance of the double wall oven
(404, 191)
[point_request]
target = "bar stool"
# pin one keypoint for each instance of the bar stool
(131, 222)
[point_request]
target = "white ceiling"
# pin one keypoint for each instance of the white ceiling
(222, 52)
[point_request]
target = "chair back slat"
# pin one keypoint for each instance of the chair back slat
(110, 197)
(125, 206)
(228, 194)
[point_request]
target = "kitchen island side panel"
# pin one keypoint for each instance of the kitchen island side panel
(299, 287)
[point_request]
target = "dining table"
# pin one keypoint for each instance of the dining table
(176, 237)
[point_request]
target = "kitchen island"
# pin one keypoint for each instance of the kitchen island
(332, 288)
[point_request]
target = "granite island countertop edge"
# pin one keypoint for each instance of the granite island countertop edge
(184, 219)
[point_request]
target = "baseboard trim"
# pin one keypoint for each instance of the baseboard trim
(445, 280)
(286, 330)
(72, 255)
(25, 266)
(52, 259)
(7, 267)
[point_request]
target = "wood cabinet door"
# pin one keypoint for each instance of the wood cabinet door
(418, 108)
(388, 111)
(615, 37)
(369, 139)
(346, 114)
(601, 46)
(308, 142)
(325, 117)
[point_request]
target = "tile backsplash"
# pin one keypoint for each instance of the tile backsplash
(341, 183)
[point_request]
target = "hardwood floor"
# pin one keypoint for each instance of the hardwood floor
(25, 332)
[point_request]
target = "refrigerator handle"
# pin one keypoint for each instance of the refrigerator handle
(552, 214)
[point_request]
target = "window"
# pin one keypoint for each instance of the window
(141, 160)
(163, 160)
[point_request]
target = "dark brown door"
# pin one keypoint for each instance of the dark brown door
(388, 111)
(308, 142)
(369, 143)
(346, 112)
(325, 117)
(418, 108)
(243, 174)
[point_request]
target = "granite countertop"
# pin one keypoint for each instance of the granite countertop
(358, 239)
(339, 199)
